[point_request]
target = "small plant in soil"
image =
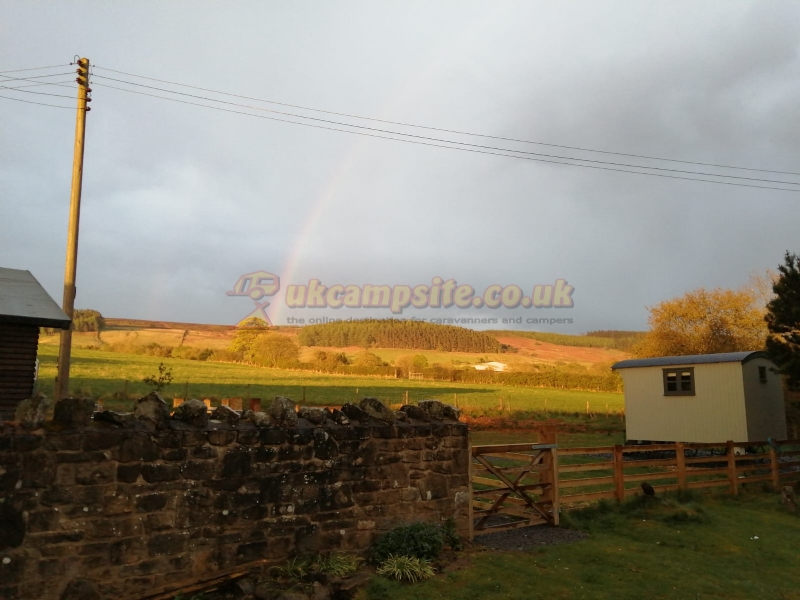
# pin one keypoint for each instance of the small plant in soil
(417, 540)
(161, 380)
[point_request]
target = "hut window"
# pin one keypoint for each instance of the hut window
(679, 382)
(762, 374)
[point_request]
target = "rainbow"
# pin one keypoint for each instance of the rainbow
(346, 166)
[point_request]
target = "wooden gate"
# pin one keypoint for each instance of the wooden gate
(513, 485)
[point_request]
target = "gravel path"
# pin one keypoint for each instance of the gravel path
(527, 538)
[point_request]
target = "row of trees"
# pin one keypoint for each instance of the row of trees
(83, 319)
(393, 333)
(763, 315)
(88, 320)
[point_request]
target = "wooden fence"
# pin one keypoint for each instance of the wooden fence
(615, 472)
(516, 485)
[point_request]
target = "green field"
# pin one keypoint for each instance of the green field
(605, 437)
(99, 374)
(686, 548)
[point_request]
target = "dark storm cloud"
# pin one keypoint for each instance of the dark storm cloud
(179, 201)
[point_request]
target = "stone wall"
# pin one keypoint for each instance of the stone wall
(108, 505)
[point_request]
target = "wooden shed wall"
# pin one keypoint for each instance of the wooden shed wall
(18, 346)
(716, 413)
(766, 410)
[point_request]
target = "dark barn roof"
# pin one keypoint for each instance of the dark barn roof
(23, 301)
(693, 359)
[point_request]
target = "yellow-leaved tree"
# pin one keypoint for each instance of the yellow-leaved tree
(705, 322)
(253, 342)
(246, 333)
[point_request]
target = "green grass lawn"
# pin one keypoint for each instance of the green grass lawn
(101, 374)
(694, 549)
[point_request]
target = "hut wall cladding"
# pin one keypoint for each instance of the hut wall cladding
(18, 346)
(122, 505)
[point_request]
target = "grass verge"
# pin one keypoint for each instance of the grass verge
(689, 547)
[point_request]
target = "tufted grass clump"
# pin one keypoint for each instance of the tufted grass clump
(293, 570)
(337, 564)
(405, 568)
(300, 568)
(682, 508)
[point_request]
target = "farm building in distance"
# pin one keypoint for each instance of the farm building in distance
(734, 396)
(24, 307)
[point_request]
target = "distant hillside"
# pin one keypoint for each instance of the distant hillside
(622, 340)
(136, 324)
(618, 340)
(393, 333)
(615, 334)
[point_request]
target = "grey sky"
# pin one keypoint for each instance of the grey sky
(180, 200)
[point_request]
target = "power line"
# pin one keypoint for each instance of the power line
(17, 87)
(32, 92)
(35, 69)
(39, 103)
(433, 139)
(7, 78)
(443, 130)
(529, 158)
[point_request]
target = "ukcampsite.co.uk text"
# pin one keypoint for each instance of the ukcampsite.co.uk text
(440, 294)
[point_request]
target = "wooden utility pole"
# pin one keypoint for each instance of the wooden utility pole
(68, 305)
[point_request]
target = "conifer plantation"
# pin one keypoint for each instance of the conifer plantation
(394, 333)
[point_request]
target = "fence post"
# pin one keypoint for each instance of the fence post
(732, 468)
(619, 474)
(680, 461)
(554, 479)
(126, 390)
(547, 434)
(469, 470)
(776, 469)
(186, 390)
(547, 476)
